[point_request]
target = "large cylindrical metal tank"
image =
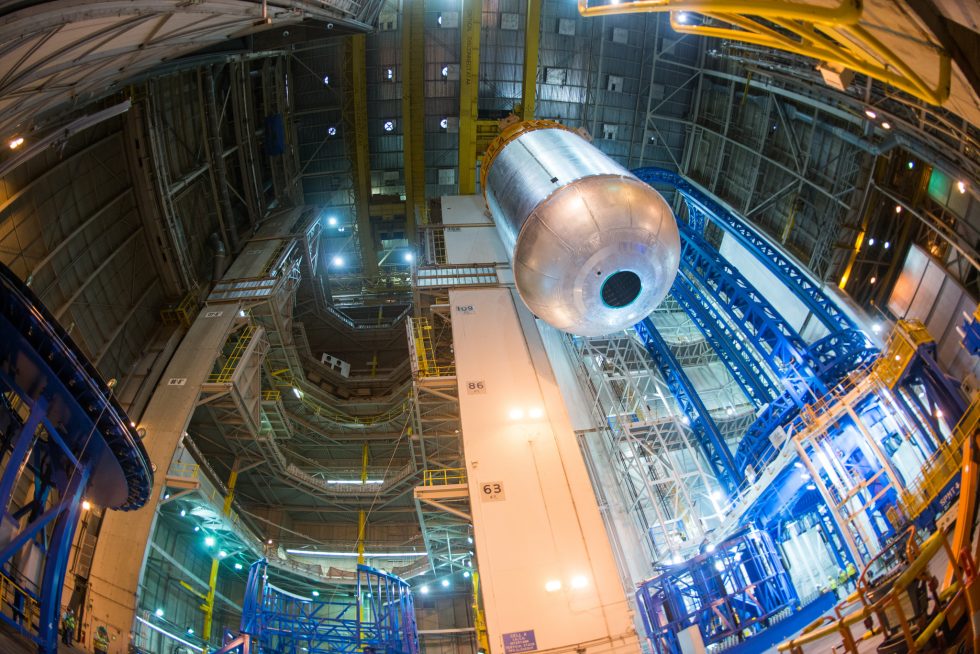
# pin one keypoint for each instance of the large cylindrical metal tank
(594, 249)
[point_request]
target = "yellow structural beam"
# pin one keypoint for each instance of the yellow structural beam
(829, 33)
(413, 115)
(356, 140)
(469, 85)
(532, 39)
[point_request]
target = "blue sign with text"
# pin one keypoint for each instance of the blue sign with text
(520, 641)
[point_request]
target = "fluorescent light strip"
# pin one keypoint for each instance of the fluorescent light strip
(358, 482)
(286, 592)
(381, 555)
(169, 635)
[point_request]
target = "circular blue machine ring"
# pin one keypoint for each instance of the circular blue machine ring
(45, 343)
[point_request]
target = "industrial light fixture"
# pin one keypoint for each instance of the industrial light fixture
(911, 165)
(389, 125)
(871, 241)
(158, 613)
(710, 548)
(338, 262)
(580, 581)
(86, 505)
(409, 257)
(331, 131)
(315, 593)
(444, 123)
(445, 69)
(390, 73)
(238, 566)
(197, 529)
(190, 630)
(298, 393)
(445, 583)
(326, 80)
(961, 186)
(886, 245)
(898, 208)
(16, 143)
(876, 328)
(466, 574)
(469, 539)
(552, 585)
(222, 554)
(439, 19)
(209, 541)
(886, 125)
(811, 487)
(424, 590)
(719, 566)
(870, 114)
(872, 280)
(357, 482)
(183, 513)
(332, 221)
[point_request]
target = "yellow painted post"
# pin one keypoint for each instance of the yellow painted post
(413, 115)
(362, 516)
(208, 606)
(355, 115)
(479, 619)
(469, 85)
(532, 39)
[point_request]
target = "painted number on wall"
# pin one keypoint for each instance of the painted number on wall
(465, 308)
(213, 314)
(492, 491)
(177, 381)
(476, 387)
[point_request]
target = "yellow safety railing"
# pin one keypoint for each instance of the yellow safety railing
(904, 340)
(285, 380)
(181, 313)
(829, 33)
(267, 268)
(940, 468)
(271, 395)
(891, 607)
(234, 357)
(443, 476)
(10, 591)
(184, 469)
(425, 351)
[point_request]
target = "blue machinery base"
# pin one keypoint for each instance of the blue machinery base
(60, 423)
(378, 615)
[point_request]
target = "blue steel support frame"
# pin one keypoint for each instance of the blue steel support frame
(73, 432)
(380, 615)
(776, 341)
(747, 371)
(709, 437)
(730, 592)
(799, 282)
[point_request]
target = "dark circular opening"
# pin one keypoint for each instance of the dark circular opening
(621, 289)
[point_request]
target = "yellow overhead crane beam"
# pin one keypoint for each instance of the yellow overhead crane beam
(356, 139)
(832, 34)
(532, 40)
(413, 116)
(469, 86)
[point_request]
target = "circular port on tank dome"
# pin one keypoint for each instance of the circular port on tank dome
(621, 289)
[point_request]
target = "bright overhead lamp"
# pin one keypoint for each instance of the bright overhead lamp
(445, 583)
(209, 541)
(338, 262)
(332, 221)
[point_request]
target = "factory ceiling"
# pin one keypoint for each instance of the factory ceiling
(145, 166)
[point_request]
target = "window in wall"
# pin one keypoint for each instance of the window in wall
(615, 84)
(609, 131)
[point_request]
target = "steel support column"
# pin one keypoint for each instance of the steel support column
(356, 140)
(413, 116)
(709, 436)
(469, 86)
(532, 39)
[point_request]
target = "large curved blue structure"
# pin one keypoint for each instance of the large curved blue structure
(61, 424)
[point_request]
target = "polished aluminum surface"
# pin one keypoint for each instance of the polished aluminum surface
(572, 218)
